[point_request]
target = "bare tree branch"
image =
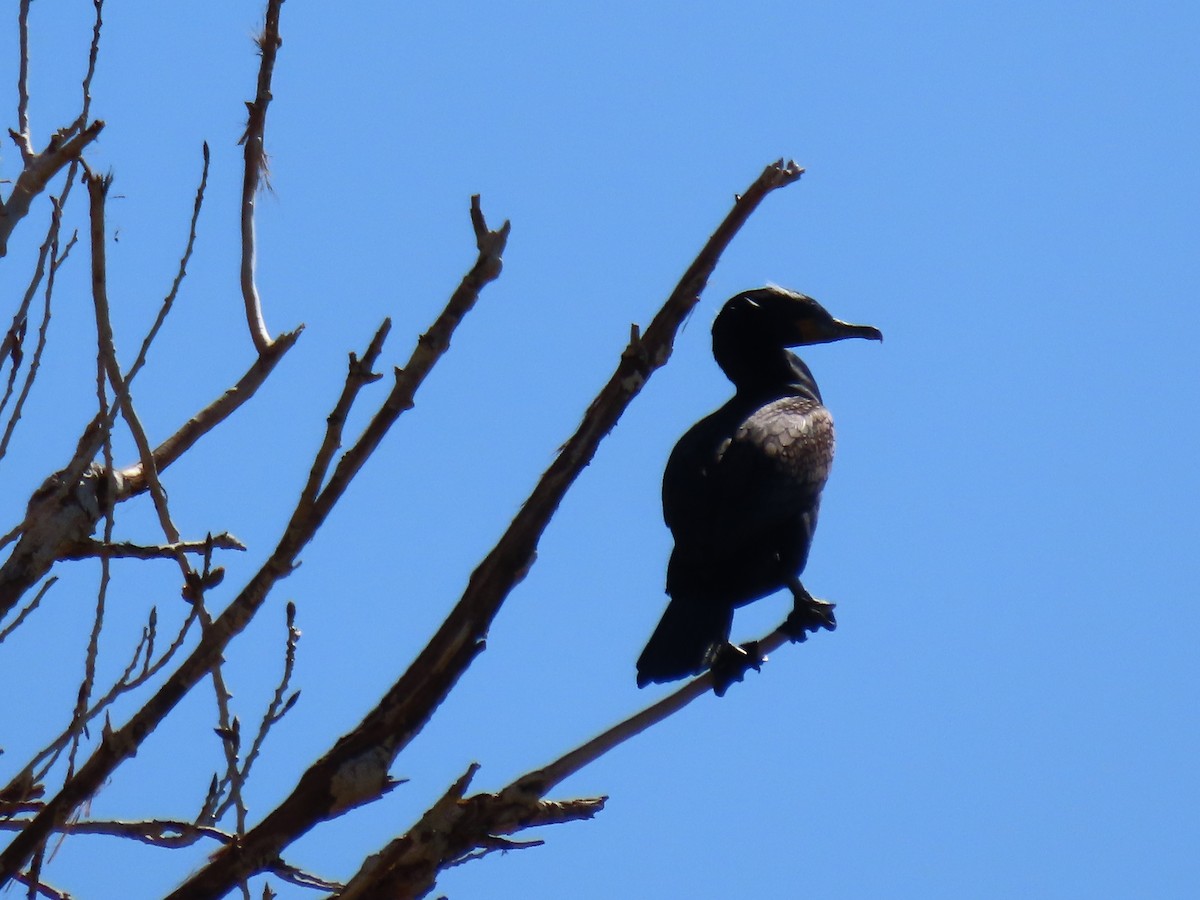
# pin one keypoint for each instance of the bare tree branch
(22, 135)
(17, 331)
(98, 187)
(93, 54)
(89, 549)
(64, 511)
(174, 834)
(65, 146)
(455, 829)
(169, 300)
(256, 155)
(79, 717)
(355, 769)
(358, 376)
(97, 190)
(62, 515)
(38, 888)
(117, 746)
(38, 171)
(37, 768)
(29, 608)
(11, 346)
(548, 777)
(280, 706)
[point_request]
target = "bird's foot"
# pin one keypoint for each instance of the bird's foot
(809, 614)
(731, 662)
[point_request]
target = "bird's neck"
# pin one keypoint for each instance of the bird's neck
(770, 373)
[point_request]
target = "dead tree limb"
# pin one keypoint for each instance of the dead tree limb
(256, 159)
(38, 171)
(455, 829)
(355, 770)
(127, 550)
(118, 745)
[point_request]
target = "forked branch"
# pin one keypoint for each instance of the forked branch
(355, 769)
(39, 169)
(459, 828)
(118, 745)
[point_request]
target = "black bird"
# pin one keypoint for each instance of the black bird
(742, 489)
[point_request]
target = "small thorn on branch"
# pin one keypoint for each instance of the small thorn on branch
(637, 347)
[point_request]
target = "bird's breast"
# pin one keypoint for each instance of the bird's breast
(793, 436)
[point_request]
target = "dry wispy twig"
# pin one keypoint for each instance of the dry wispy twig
(14, 339)
(173, 834)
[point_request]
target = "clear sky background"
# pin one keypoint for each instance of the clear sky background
(1009, 191)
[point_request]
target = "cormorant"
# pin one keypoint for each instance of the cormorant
(742, 488)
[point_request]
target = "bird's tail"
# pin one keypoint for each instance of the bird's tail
(684, 641)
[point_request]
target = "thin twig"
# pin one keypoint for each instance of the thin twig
(30, 607)
(35, 364)
(105, 359)
(280, 705)
(359, 375)
(88, 549)
(39, 767)
(79, 717)
(431, 346)
(93, 55)
(11, 348)
(255, 160)
(145, 644)
(23, 142)
(97, 191)
(173, 834)
(452, 833)
(169, 300)
(546, 778)
(40, 888)
(12, 535)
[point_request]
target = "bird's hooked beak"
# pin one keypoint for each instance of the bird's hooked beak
(827, 330)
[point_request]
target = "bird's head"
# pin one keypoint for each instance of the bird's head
(776, 316)
(754, 328)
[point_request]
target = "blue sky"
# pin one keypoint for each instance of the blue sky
(1009, 191)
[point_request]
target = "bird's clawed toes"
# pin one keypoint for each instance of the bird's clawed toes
(812, 615)
(731, 663)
